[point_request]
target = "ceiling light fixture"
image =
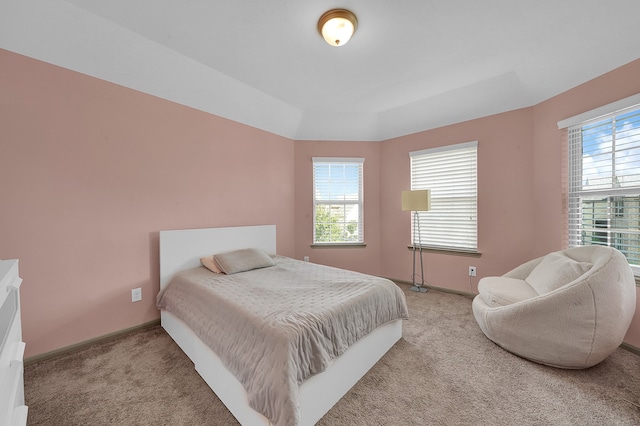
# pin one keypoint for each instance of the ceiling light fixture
(337, 26)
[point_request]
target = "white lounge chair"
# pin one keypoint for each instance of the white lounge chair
(568, 309)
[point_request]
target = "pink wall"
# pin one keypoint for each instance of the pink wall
(547, 141)
(548, 168)
(362, 259)
(90, 173)
(505, 206)
(520, 173)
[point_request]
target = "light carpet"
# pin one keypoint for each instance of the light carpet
(443, 371)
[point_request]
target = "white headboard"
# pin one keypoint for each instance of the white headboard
(182, 249)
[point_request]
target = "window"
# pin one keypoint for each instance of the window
(337, 201)
(450, 173)
(604, 183)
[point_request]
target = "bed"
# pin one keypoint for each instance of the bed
(180, 253)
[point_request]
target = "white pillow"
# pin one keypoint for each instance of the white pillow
(243, 260)
(554, 271)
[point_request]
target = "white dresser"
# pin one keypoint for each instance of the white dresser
(12, 409)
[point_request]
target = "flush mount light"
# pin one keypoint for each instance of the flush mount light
(337, 26)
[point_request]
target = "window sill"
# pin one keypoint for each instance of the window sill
(454, 251)
(338, 245)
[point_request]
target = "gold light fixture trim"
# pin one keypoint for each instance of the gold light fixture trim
(337, 26)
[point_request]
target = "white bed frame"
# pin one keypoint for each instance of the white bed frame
(182, 249)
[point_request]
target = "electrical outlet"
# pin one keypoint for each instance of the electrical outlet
(136, 294)
(472, 271)
(306, 258)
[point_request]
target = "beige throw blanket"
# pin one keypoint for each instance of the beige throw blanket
(275, 327)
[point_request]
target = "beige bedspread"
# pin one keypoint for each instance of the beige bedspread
(277, 326)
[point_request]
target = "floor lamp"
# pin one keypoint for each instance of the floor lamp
(417, 201)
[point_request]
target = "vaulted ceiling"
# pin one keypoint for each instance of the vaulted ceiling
(412, 65)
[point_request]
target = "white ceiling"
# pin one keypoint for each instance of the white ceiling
(412, 65)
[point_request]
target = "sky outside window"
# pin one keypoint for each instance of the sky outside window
(611, 152)
(337, 182)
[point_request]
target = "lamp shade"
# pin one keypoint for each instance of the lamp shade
(417, 200)
(337, 26)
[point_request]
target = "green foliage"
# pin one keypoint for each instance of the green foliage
(329, 229)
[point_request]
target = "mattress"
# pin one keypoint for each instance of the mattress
(275, 327)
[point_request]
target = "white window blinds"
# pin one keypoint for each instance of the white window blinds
(450, 173)
(604, 183)
(338, 200)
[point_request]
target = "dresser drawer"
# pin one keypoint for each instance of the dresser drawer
(12, 409)
(12, 385)
(19, 417)
(10, 327)
(9, 278)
